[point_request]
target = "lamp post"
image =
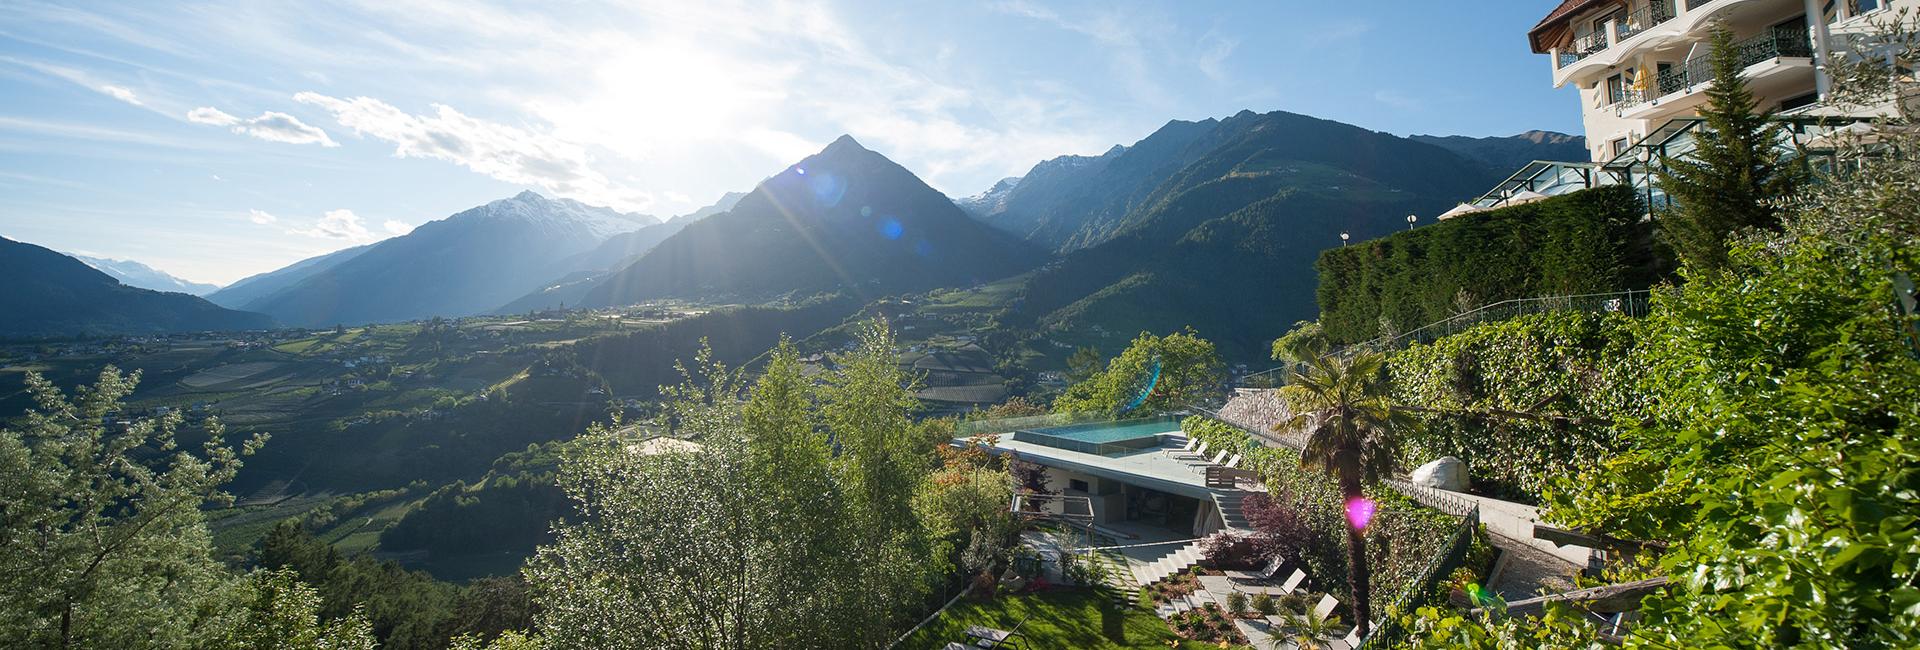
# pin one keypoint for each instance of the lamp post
(1410, 219)
(1343, 237)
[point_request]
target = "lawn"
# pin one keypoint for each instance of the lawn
(1060, 618)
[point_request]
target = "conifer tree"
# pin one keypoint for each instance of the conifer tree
(1734, 173)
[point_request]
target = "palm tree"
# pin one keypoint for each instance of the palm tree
(1312, 633)
(1343, 404)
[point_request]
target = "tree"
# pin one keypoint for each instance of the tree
(1734, 174)
(280, 611)
(791, 525)
(1345, 406)
(102, 543)
(1156, 374)
(1083, 364)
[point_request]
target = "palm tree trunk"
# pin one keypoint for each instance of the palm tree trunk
(1359, 577)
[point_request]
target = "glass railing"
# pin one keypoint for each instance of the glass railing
(1646, 18)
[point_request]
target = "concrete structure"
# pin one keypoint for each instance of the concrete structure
(1640, 63)
(1642, 70)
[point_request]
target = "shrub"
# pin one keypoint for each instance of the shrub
(1236, 603)
(1264, 604)
(1228, 551)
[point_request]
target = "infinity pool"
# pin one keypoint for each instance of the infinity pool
(1112, 431)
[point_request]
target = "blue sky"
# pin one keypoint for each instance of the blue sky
(214, 140)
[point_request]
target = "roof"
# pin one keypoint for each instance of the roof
(1551, 28)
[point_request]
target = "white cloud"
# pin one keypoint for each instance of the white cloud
(397, 227)
(260, 216)
(272, 126)
(677, 197)
(211, 115)
(507, 153)
(1213, 55)
(337, 224)
(122, 94)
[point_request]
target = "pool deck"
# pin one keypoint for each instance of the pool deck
(1151, 468)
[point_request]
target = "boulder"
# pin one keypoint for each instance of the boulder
(1446, 473)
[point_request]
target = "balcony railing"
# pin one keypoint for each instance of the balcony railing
(1659, 11)
(1772, 44)
(1583, 46)
(1696, 4)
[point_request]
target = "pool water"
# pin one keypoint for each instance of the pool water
(1099, 432)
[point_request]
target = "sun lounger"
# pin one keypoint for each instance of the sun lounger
(1216, 460)
(1265, 574)
(1198, 452)
(1350, 642)
(1233, 462)
(1188, 449)
(1293, 582)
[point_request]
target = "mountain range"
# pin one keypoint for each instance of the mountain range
(845, 218)
(51, 294)
(469, 263)
(1216, 223)
(135, 274)
(1212, 223)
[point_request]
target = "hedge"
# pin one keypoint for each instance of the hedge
(1593, 241)
(1571, 364)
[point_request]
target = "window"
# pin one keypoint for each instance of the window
(1791, 103)
(1616, 90)
(1077, 485)
(1619, 146)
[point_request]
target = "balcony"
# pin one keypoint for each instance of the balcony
(1640, 21)
(1583, 46)
(1774, 44)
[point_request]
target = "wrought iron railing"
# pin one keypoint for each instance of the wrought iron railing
(1696, 4)
(1772, 44)
(1656, 12)
(1583, 46)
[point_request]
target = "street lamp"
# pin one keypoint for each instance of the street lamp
(1343, 237)
(1410, 219)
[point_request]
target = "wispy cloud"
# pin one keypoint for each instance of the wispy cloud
(261, 217)
(122, 94)
(397, 227)
(1214, 50)
(1397, 100)
(337, 224)
(503, 152)
(272, 126)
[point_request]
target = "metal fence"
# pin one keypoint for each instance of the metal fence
(1390, 633)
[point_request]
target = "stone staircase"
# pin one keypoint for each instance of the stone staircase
(1179, 560)
(1229, 502)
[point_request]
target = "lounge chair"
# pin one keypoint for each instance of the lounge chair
(987, 637)
(1216, 460)
(1198, 452)
(1233, 462)
(1350, 642)
(1265, 574)
(1293, 582)
(1188, 449)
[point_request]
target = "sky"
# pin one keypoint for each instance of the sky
(215, 140)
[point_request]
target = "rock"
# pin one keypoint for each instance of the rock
(1446, 473)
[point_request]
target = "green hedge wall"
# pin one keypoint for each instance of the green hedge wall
(1570, 364)
(1593, 241)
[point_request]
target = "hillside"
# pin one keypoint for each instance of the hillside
(469, 263)
(845, 218)
(1510, 153)
(1069, 202)
(50, 294)
(254, 287)
(1227, 242)
(141, 276)
(585, 270)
